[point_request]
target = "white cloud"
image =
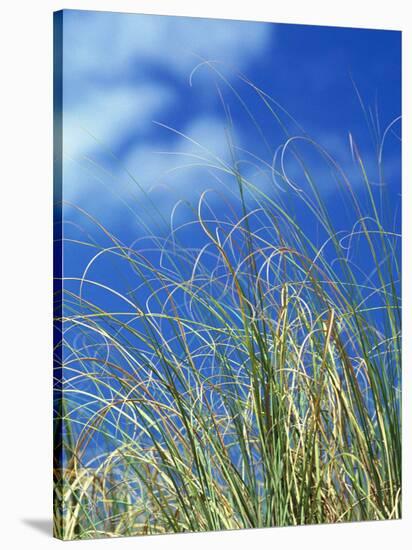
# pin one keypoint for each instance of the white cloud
(99, 44)
(109, 116)
(121, 72)
(182, 167)
(199, 145)
(101, 122)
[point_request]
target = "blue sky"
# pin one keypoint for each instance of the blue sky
(124, 73)
(146, 104)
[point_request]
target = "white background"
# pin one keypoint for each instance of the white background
(26, 270)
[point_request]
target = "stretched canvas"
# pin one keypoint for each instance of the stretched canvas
(227, 274)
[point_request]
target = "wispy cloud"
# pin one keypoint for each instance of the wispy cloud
(123, 71)
(110, 46)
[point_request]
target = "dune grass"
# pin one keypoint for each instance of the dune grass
(251, 381)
